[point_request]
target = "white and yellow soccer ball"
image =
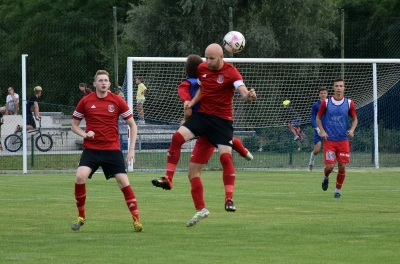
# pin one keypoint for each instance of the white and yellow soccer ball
(234, 42)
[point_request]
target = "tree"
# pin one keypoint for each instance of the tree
(66, 42)
(372, 28)
(288, 28)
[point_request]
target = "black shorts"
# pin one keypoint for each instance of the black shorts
(111, 161)
(30, 121)
(219, 131)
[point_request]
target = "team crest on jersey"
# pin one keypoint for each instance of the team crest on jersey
(111, 108)
(220, 79)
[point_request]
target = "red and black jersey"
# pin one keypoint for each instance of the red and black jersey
(101, 115)
(217, 89)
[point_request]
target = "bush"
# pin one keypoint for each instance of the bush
(251, 143)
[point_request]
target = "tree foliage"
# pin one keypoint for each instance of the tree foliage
(372, 28)
(289, 28)
(64, 40)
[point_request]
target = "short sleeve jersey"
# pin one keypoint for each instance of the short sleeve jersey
(217, 89)
(141, 89)
(101, 115)
(10, 101)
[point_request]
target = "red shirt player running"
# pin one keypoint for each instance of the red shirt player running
(101, 111)
(335, 133)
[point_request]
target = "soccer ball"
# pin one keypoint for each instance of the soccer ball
(234, 42)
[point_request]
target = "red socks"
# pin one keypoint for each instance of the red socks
(340, 179)
(237, 146)
(130, 200)
(174, 154)
(80, 198)
(228, 174)
(197, 193)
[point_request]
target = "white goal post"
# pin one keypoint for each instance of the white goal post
(274, 80)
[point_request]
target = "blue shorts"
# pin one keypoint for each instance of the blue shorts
(316, 137)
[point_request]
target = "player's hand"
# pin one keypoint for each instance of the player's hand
(130, 158)
(251, 96)
(89, 134)
(350, 133)
(187, 105)
(324, 135)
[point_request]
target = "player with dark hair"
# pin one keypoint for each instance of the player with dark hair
(335, 133)
(101, 111)
(322, 93)
(218, 81)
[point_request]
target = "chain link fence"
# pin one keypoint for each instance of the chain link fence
(58, 66)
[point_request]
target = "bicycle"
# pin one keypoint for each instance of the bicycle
(43, 142)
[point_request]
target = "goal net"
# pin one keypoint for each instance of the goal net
(274, 82)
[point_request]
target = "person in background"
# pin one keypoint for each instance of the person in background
(12, 103)
(119, 92)
(32, 106)
(140, 98)
(84, 89)
(335, 133)
(323, 94)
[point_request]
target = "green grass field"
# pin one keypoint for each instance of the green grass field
(281, 217)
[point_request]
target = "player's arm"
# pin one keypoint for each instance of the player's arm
(314, 111)
(7, 108)
(130, 157)
(248, 96)
(36, 110)
(183, 91)
(321, 112)
(354, 122)
(79, 131)
(196, 98)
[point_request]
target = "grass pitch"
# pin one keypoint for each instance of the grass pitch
(281, 217)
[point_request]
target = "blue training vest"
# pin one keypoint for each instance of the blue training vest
(194, 87)
(336, 120)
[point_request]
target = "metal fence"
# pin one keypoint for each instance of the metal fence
(58, 67)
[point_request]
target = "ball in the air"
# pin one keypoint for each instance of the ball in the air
(234, 42)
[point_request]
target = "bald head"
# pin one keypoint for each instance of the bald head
(214, 56)
(215, 49)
